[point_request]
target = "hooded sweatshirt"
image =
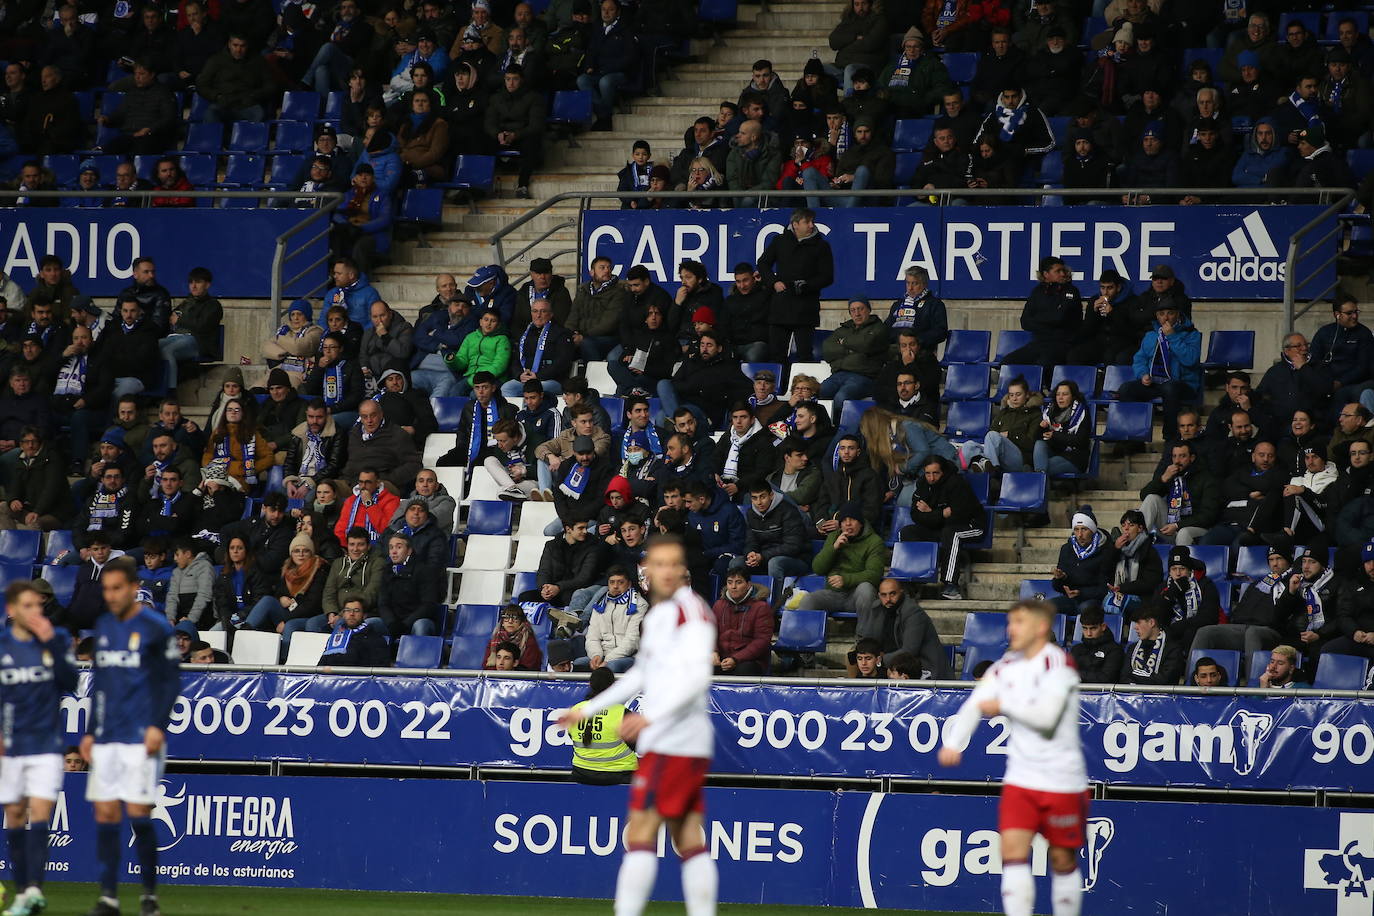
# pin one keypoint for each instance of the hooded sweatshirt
(196, 582)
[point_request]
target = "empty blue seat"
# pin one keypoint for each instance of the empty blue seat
(468, 652)
(473, 172)
(1008, 341)
(975, 655)
(1022, 491)
(300, 106)
(476, 620)
(111, 102)
(966, 347)
(915, 561)
(1310, 20)
(199, 169)
(293, 136)
(615, 410)
(1042, 589)
(1230, 350)
(334, 104)
(422, 205)
(1129, 422)
(448, 411)
(801, 631)
(244, 170)
(966, 382)
(64, 168)
(420, 651)
(203, 138)
(63, 582)
(912, 134)
(718, 10)
(905, 170)
(1252, 563)
(1340, 672)
(1051, 171)
(980, 484)
(1085, 377)
(286, 172)
(851, 413)
(1034, 376)
(59, 542)
(1240, 124)
(248, 137)
(489, 516)
(85, 105)
(901, 517)
(523, 582)
(968, 420)
(1228, 659)
(14, 572)
(571, 108)
(200, 107)
(985, 628)
(1113, 377)
(145, 167)
(19, 546)
(961, 66)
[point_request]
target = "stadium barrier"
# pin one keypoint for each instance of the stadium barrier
(254, 252)
(776, 846)
(1234, 739)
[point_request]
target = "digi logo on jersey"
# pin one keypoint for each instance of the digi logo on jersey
(254, 824)
(30, 674)
(106, 657)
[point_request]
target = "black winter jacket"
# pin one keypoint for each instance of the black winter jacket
(806, 266)
(780, 532)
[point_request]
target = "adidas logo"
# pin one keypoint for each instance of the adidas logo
(1247, 254)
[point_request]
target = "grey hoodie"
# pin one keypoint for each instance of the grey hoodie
(198, 580)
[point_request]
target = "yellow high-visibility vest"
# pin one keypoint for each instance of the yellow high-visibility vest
(605, 752)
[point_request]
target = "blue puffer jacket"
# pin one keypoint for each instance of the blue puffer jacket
(386, 167)
(356, 297)
(1185, 354)
(1254, 166)
(722, 528)
(435, 336)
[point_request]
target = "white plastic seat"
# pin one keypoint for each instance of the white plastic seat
(528, 551)
(254, 648)
(453, 479)
(534, 518)
(217, 639)
(483, 486)
(599, 377)
(481, 587)
(819, 371)
(305, 648)
(486, 551)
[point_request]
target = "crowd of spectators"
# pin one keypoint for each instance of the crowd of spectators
(946, 97)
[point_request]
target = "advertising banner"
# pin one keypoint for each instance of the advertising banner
(99, 246)
(1246, 742)
(1231, 252)
(921, 852)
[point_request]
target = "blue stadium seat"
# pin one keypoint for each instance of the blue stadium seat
(975, 655)
(293, 137)
(901, 517)
(334, 105)
(85, 105)
(300, 106)
(146, 166)
(424, 206)
(523, 582)
(199, 169)
(473, 173)
(851, 412)
(1310, 20)
(1034, 376)
(1051, 172)
(1211, 55)
(615, 409)
(801, 631)
(572, 108)
(1129, 422)
(1241, 124)
(203, 138)
(489, 516)
(905, 170)
(244, 170)
(1043, 589)
(248, 137)
(14, 572)
(772, 586)
(779, 375)
(1085, 377)
(1216, 558)
(1230, 350)
(1228, 659)
(1252, 563)
(968, 420)
(1332, 32)
(287, 171)
(63, 582)
(656, 414)
(718, 10)
(912, 134)
(966, 382)
(65, 168)
(1113, 377)
(468, 652)
(58, 543)
(19, 546)
(1022, 491)
(476, 620)
(980, 484)
(1113, 622)
(200, 106)
(961, 66)
(420, 651)
(1361, 162)
(985, 628)
(1008, 341)
(110, 102)
(966, 347)
(915, 561)
(1340, 672)
(448, 411)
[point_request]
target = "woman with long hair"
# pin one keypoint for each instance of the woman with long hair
(898, 446)
(237, 446)
(239, 586)
(1065, 433)
(423, 139)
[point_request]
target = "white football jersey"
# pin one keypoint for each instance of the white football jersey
(1039, 696)
(672, 674)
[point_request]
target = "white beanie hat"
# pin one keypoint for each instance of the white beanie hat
(1084, 520)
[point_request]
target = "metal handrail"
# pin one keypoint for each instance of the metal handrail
(1270, 197)
(280, 255)
(1291, 284)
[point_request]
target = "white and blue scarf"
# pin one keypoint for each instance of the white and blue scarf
(538, 357)
(482, 422)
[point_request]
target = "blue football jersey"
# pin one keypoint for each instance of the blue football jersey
(136, 677)
(33, 677)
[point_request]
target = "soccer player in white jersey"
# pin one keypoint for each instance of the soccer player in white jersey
(672, 730)
(1045, 789)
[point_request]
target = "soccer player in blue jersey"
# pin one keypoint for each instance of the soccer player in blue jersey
(36, 668)
(136, 680)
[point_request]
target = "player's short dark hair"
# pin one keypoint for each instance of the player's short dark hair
(867, 645)
(200, 273)
(185, 544)
(619, 570)
(1134, 516)
(906, 663)
(1091, 617)
(761, 486)
(275, 501)
(124, 566)
(695, 488)
(200, 645)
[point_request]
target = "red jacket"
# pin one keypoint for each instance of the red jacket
(744, 632)
(790, 178)
(374, 517)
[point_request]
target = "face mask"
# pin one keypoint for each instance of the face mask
(634, 457)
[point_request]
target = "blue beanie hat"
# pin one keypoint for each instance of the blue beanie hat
(302, 305)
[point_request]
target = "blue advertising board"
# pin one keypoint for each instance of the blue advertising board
(1219, 252)
(922, 852)
(1240, 742)
(99, 246)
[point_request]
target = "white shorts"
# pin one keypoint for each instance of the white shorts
(30, 776)
(124, 772)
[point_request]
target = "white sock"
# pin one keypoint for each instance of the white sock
(638, 870)
(1067, 892)
(699, 882)
(1018, 889)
